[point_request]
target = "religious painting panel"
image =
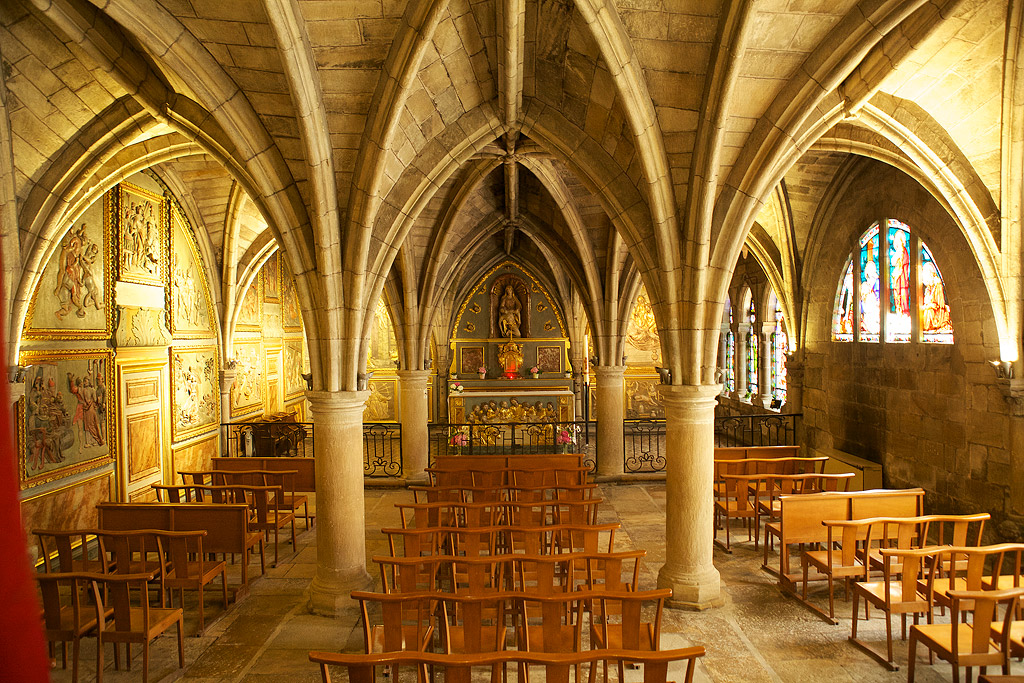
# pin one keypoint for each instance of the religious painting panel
(383, 349)
(196, 455)
(471, 359)
(195, 394)
(142, 435)
(642, 399)
(549, 358)
(294, 384)
(247, 390)
(250, 315)
(643, 345)
(72, 298)
(510, 307)
(189, 315)
(67, 507)
(291, 313)
(142, 249)
(67, 415)
(382, 405)
(272, 279)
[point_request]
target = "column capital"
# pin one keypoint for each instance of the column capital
(609, 372)
(678, 399)
(337, 404)
(227, 375)
(413, 375)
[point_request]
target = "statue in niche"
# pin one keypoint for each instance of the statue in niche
(509, 313)
(510, 355)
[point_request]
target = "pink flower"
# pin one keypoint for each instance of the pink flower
(459, 440)
(564, 437)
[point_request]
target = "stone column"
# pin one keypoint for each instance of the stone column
(794, 384)
(689, 472)
(340, 529)
(412, 387)
(227, 380)
(765, 364)
(610, 413)
(741, 360)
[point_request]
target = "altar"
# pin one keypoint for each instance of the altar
(512, 401)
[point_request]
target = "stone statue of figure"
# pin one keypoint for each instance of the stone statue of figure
(510, 355)
(509, 313)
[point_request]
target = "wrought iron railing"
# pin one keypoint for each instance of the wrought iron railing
(643, 445)
(269, 439)
(382, 449)
(509, 438)
(770, 429)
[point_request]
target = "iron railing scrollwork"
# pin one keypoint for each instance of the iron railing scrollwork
(382, 449)
(643, 445)
(770, 429)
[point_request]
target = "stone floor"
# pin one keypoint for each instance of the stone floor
(758, 635)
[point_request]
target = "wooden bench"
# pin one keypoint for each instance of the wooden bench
(226, 524)
(745, 452)
(452, 463)
(299, 478)
(802, 516)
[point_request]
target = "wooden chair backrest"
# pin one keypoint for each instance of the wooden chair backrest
(984, 605)
(399, 612)
(418, 542)
(744, 452)
(477, 575)
(62, 543)
(477, 616)
(626, 608)
(459, 668)
(200, 477)
(61, 594)
(908, 567)
(116, 594)
(127, 546)
(184, 551)
(548, 614)
(982, 563)
(410, 574)
(957, 530)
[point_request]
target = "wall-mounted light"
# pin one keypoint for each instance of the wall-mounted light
(1003, 368)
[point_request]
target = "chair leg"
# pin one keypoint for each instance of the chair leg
(888, 633)
(128, 656)
(276, 546)
(831, 600)
(99, 660)
(912, 657)
(856, 597)
(74, 660)
(202, 620)
(224, 585)
(145, 661)
(181, 642)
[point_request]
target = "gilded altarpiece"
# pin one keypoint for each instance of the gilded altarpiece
(250, 314)
(66, 417)
(643, 356)
(72, 299)
(291, 314)
(247, 390)
(381, 358)
(294, 384)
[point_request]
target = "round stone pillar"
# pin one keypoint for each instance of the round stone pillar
(412, 387)
(610, 413)
(765, 365)
(227, 380)
(689, 518)
(340, 527)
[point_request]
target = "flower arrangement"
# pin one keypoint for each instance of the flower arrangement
(455, 388)
(566, 436)
(482, 369)
(459, 439)
(534, 370)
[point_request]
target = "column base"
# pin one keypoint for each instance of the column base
(418, 479)
(692, 591)
(331, 597)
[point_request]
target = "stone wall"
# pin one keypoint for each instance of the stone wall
(932, 415)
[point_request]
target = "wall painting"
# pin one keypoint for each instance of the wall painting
(247, 391)
(142, 249)
(291, 313)
(549, 358)
(272, 280)
(294, 385)
(195, 398)
(72, 299)
(381, 405)
(250, 315)
(67, 415)
(471, 360)
(189, 307)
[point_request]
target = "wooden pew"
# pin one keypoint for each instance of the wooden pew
(744, 452)
(226, 524)
(801, 517)
(305, 468)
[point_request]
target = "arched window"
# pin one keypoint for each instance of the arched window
(780, 345)
(752, 352)
(899, 279)
(730, 361)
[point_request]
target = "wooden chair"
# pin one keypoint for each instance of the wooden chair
(61, 544)
(616, 623)
(549, 623)
(131, 621)
(409, 574)
(269, 516)
(188, 569)
(472, 624)
(969, 644)
(974, 569)
(735, 500)
(845, 562)
(900, 591)
(290, 499)
(406, 623)
(418, 542)
(134, 552)
(66, 616)
(186, 493)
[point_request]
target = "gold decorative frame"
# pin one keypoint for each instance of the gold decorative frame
(291, 348)
(183, 433)
(383, 403)
(133, 474)
(197, 257)
(30, 332)
(271, 289)
(160, 279)
(259, 363)
(288, 291)
(535, 287)
(38, 358)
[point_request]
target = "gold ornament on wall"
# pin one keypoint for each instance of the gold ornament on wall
(470, 327)
(475, 308)
(642, 333)
(541, 307)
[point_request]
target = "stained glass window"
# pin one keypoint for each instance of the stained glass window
(779, 348)
(842, 317)
(936, 326)
(906, 288)
(897, 323)
(752, 352)
(730, 360)
(870, 291)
